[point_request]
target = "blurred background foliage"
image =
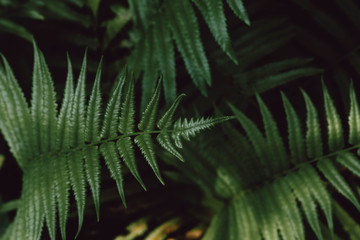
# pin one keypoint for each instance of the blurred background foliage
(271, 46)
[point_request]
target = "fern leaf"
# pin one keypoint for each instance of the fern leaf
(350, 162)
(307, 202)
(354, 118)
(166, 120)
(20, 107)
(187, 128)
(186, 33)
(317, 189)
(77, 182)
(287, 201)
(165, 54)
(165, 142)
(93, 110)
(65, 111)
(78, 108)
(256, 137)
(148, 117)
(275, 145)
(334, 177)
(213, 13)
(164, 123)
(34, 212)
(62, 176)
(62, 192)
(285, 228)
(92, 166)
(110, 154)
(16, 116)
(147, 123)
(313, 134)
(245, 218)
(43, 106)
(126, 149)
(147, 148)
(239, 9)
(150, 68)
(65, 150)
(126, 124)
(296, 142)
(110, 123)
(274, 80)
(75, 160)
(47, 183)
(335, 132)
(261, 209)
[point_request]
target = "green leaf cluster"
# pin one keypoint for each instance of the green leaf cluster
(60, 151)
(163, 23)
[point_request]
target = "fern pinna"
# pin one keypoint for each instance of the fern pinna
(61, 150)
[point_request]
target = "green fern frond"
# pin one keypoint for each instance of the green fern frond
(59, 151)
(306, 183)
(290, 180)
(163, 23)
(213, 13)
(185, 29)
(188, 128)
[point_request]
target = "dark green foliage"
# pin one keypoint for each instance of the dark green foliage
(287, 169)
(59, 151)
(260, 181)
(162, 23)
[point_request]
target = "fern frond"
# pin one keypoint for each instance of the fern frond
(292, 182)
(213, 13)
(61, 151)
(189, 128)
(165, 54)
(185, 30)
(160, 24)
(332, 174)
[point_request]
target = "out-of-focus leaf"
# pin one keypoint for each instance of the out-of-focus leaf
(5, 2)
(14, 28)
(94, 6)
(29, 12)
(273, 81)
(2, 160)
(114, 26)
(4, 220)
(61, 10)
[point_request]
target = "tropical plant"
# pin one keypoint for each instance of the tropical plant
(158, 23)
(263, 187)
(288, 173)
(57, 151)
